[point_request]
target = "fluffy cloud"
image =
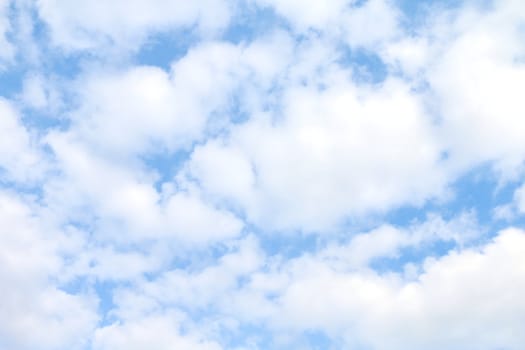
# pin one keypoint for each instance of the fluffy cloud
(519, 199)
(310, 14)
(7, 49)
(478, 79)
(362, 25)
(32, 256)
(472, 63)
(169, 111)
(126, 24)
(334, 291)
(323, 161)
(160, 332)
(293, 178)
(20, 157)
(466, 298)
(123, 200)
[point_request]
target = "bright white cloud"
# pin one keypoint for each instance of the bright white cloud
(85, 25)
(123, 199)
(159, 332)
(519, 198)
(472, 61)
(336, 153)
(387, 241)
(467, 298)
(310, 14)
(479, 79)
(358, 25)
(7, 50)
(31, 254)
(20, 158)
(291, 175)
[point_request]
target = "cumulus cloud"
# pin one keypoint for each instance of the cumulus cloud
(160, 332)
(36, 313)
(295, 174)
(360, 25)
(7, 50)
(20, 157)
(323, 161)
(466, 298)
(125, 25)
(124, 200)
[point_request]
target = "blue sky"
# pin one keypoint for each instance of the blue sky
(262, 174)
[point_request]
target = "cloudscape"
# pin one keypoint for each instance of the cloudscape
(262, 174)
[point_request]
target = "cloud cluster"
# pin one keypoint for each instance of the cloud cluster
(295, 174)
(6, 47)
(86, 25)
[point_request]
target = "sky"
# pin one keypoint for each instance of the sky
(262, 174)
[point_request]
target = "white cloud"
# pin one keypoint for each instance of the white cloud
(279, 132)
(148, 313)
(336, 153)
(7, 50)
(126, 24)
(468, 298)
(159, 332)
(365, 25)
(472, 61)
(210, 286)
(372, 24)
(41, 93)
(307, 14)
(478, 81)
(387, 241)
(164, 111)
(20, 158)
(519, 199)
(152, 114)
(122, 198)
(30, 259)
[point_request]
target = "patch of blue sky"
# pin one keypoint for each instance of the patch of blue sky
(251, 22)
(289, 244)
(318, 340)
(416, 13)
(412, 255)
(11, 81)
(163, 49)
(476, 190)
(50, 62)
(237, 111)
(366, 65)
(193, 259)
(104, 291)
(479, 189)
(166, 165)
(249, 335)
(50, 59)
(29, 189)
(42, 120)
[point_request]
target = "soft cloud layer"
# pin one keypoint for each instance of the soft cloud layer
(262, 175)
(469, 298)
(33, 255)
(336, 152)
(125, 25)
(7, 49)
(19, 156)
